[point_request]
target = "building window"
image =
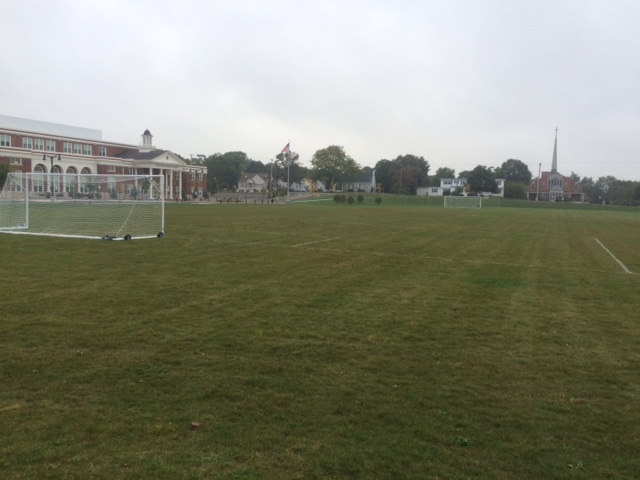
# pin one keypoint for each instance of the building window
(555, 183)
(77, 148)
(17, 186)
(66, 147)
(131, 171)
(39, 144)
(102, 151)
(15, 161)
(111, 168)
(27, 142)
(51, 145)
(5, 140)
(87, 150)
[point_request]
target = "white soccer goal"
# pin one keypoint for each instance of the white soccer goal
(110, 207)
(451, 201)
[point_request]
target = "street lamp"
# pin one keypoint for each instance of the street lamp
(44, 159)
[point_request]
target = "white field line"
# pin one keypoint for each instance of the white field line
(347, 251)
(316, 241)
(614, 257)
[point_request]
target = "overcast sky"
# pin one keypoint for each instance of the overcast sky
(459, 82)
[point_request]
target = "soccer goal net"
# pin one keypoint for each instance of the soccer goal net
(113, 207)
(462, 202)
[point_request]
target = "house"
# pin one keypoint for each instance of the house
(450, 185)
(311, 185)
(365, 181)
(253, 183)
(33, 146)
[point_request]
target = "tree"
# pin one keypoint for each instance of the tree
(514, 171)
(515, 190)
(224, 170)
(442, 172)
(622, 192)
(4, 171)
(482, 179)
(281, 170)
(403, 175)
(255, 166)
(333, 165)
(406, 180)
(603, 187)
(384, 174)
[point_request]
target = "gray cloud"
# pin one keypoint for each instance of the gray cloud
(461, 83)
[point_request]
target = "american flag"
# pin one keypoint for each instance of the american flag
(286, 148)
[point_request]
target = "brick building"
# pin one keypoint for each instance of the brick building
(553, 186)
(33, 146)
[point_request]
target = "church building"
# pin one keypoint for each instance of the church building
(553, 186)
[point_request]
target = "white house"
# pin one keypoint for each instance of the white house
(311, 185)
(449, 185)
(365, 181)
(253, 182)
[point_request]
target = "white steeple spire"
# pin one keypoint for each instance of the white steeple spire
(554, 162)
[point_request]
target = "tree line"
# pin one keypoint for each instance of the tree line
(402, 175)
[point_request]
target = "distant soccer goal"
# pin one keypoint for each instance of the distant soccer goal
(462, 202)
(110, 207)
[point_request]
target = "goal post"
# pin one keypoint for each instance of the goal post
(451, 201)
(113, 207)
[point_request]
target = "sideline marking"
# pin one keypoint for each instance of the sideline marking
(614, 257)
(317, 241)
(347, 251)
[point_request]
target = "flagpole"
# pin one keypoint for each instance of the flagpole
(288, 170)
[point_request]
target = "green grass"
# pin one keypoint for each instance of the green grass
(326, 341)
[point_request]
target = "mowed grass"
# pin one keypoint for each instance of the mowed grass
(326, 341)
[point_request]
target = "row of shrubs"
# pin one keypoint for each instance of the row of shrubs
(341, 198)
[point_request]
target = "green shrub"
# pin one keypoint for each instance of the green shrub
(378, 200)
(360, 198)
(350, 200)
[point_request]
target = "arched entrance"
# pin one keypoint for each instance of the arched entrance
(84, 181)
(37, 180)
(56, 179)
(71, 182)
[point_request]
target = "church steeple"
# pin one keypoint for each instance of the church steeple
(554, 162)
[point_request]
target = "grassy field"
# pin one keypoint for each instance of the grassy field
(313, 341)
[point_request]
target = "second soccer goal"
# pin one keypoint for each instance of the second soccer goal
(462, 202)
